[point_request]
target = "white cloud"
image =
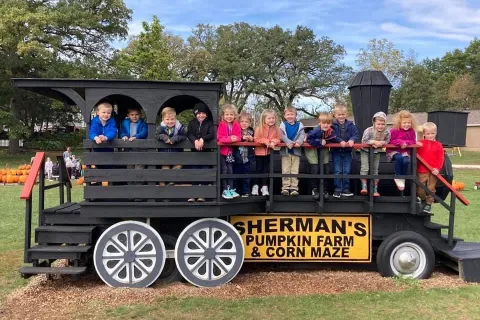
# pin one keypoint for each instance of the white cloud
(415, 33)
(448, 19)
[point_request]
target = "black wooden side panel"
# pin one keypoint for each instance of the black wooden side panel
(145, 175)
(151, 158)
(149, 192)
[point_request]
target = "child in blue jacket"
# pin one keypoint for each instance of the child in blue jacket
(346, 134)
(102, 127)
(133, 127)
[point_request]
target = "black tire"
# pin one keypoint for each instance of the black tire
(170, 272)
(412, 247)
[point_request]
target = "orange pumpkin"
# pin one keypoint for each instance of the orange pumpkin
(10, 178)
(28, 167)
(81, 181)
(22, 179)
(13, 172)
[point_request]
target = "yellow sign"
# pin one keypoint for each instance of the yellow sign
(336, 238)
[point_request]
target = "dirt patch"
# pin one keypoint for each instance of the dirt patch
(63, 297)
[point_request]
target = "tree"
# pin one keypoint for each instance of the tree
(415, 93)
(382, 55)
(464, 93)
(40, 38)
(148, 55)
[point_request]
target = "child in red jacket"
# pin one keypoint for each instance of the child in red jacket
(432, 152)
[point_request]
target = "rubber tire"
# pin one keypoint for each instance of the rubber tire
(395, 239)
(170, 271)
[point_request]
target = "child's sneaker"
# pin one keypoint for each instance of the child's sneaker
(400, 184)
(234, 193)
(264, 191)
(427, 208)
(337, 194)
(294, 193)
(285, 192)
(227, 194)
(325, 194)
(246, 195)
(347, 193)
(255, 190)
(315, 194)
(375, 192)
(201, 200)
(191, 200)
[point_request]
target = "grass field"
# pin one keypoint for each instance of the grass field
(415, 303)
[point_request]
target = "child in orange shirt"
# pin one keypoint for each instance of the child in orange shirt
(267, 133)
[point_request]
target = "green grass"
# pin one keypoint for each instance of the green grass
(468, 157)
(460, 303)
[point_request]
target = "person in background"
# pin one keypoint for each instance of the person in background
(244, 156)
(48, 169)
(67, 153)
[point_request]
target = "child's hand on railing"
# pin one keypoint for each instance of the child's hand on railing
(132, 138)
(233, 138)
(97, 140)
(435, 171)
(350, 143)
(419, 144)
(403, 146)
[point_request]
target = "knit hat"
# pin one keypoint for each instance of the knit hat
(200, 107)
(380, 115)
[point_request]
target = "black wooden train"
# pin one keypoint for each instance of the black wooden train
(135, 232)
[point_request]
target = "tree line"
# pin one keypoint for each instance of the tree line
(261, 67)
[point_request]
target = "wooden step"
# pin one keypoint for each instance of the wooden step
(63, 206)
(435, 226)
(465, 258)
(52, 270)
(76, 219)
(58, 252)
(64, 234)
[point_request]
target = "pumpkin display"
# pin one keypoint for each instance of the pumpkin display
(458, 185)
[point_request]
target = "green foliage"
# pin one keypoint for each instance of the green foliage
(59, 141)
(148, 55)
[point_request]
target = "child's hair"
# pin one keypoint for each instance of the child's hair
(48, 158)
(325, 117)
(167, 111)
(340, 106)
(130, 109)
(263, 116)
(228, 106)
(429, 126)
(246, 115)
(403, 114)
(104, 104)
(290, 109)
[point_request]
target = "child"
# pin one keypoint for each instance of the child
(346, 134)
(171, 132)
(244, 156)
(432, 152)
(133, 127)
(229, 131)
(48, 169)
(377, 137)
(292, 134)
(402, 134)
(268, 134)
(200, 130)
(319, 137)
(102, 127)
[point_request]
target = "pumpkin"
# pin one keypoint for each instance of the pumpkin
(28, 167)
(22, 178)
(13, 172)
(81, 181)
(26, 172)
(10, 178)
(3, 172)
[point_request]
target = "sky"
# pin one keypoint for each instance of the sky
(429, 27)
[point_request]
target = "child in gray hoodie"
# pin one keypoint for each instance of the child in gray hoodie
(377, 137)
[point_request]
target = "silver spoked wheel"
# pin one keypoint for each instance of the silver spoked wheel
(209, 252)
(408, 259)
(129, 254)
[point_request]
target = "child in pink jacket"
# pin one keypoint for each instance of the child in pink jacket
(228, 131)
